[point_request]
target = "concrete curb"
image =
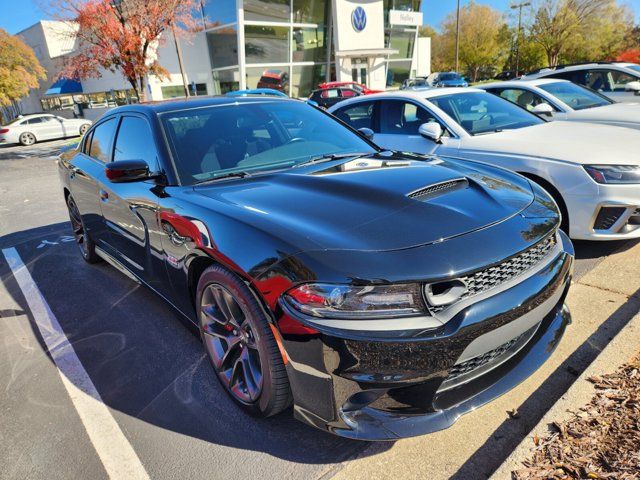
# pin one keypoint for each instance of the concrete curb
(622, 348)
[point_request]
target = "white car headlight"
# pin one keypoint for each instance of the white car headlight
(614, 173)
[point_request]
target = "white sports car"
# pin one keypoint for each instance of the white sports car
(30, 129)
(592, 170)
(563, 100)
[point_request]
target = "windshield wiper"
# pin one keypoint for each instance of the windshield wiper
(331, 156)
(240, 174)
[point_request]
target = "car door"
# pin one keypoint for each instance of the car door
(86, 175)
(399, 122)
(129, 209)
(50, 127)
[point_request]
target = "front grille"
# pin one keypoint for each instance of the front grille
(607, 216)
(491, 277)
(487, 360)
(438, 188)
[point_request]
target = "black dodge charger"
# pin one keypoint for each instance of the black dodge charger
(381, 294)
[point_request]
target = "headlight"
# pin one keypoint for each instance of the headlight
(356, 302)
(614, 173)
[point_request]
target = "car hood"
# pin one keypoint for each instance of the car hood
(580, 143)
(364, 203)
(616, 112)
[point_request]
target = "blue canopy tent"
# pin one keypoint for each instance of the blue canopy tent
(64, 86)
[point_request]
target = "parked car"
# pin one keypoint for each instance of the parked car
(29, 129)
(270, 92)
(592, 171)
(327, 97)
(415, 83)
(617, 80)
(274, 79)
(507, 75)
(301, 253)
(359, 87)
(564, 100)
(448, 79)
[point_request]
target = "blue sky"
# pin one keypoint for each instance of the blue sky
(23, 13)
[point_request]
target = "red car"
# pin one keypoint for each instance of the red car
(276, 79)
(354, 85)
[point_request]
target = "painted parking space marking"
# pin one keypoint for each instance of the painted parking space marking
(114, 450)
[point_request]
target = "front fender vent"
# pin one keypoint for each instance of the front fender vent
(436, 189)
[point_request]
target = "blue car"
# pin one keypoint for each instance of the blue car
(449, 79)
(257, 91)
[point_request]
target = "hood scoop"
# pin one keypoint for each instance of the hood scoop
(437, 189)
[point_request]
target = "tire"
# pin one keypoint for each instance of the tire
(84, 128)
(83, 239)
(27, 138)
(240, 344)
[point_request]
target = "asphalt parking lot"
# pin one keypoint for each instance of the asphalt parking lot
(148, 369)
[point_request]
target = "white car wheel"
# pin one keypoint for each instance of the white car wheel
(27, 138)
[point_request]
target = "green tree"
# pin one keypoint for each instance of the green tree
(20, 71)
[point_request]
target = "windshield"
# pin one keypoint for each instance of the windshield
(450, 76)
(634, 67)
(482, 112)
(575, 96)
(253, 137)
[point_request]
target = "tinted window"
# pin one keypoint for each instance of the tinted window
(400, 117)
(347, 93)
(575, 96)
(360, 115)
(32, 121)
(525, 98)
(135, 142)
(480, 113)
(101, 140)
(208, 142)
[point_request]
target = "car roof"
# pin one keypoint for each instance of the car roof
(162, 106)
(534, 82)
(579, 66)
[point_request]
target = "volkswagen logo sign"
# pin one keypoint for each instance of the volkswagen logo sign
(359, 19)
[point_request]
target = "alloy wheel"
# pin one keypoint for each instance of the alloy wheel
(27, 138)
(77, 225)
(231, 343)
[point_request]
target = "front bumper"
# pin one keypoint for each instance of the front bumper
(372, 387)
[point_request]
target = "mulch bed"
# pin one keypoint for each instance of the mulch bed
(602, 440)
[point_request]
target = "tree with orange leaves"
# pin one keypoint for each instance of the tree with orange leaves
(123, 36)
(632, 56)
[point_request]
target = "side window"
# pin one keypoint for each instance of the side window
(101, 140)
(348, 93)
(524, 98)
(135, 142)
(403, 118)
(620, 79)
(598, 80)
(360, 115)
(330, 93)
(33, 121)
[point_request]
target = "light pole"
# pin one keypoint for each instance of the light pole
(457, 34)
(519, 6)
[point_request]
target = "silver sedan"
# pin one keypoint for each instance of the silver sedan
(30, 129)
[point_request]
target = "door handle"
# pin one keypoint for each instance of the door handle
(104, 195)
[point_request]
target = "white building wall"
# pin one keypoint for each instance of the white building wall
(422, 57)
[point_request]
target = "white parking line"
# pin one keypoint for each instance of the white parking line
(116, 453)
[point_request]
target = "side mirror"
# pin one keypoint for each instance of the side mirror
(366, 132)
(542, 109)
(632, 87)
(431, 131)
(128, 171)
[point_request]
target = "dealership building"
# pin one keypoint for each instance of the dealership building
(291, 45)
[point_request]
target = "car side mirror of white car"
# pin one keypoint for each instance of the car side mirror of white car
(431, 131)
(633, 87)
(542, 109)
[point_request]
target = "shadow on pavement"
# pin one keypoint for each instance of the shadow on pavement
(512, 431)
(142, 360)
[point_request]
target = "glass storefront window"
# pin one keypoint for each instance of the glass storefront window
(271, 77)
(309, 44)
(401, 39)
(398, 72)
(225, 81)
(223, 46)
(266, 44)
(267, 10)
(310, 11)
(177, 91)
(219, 12)
(305, 78)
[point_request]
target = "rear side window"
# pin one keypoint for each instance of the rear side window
(101, 140)
(330, 93)
(33, 121)
(404, 118)
(135, 142)
(360, 115)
